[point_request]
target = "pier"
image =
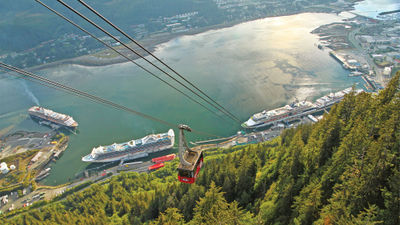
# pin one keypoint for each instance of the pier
(369, 84)
(346, 64)
(212, 140)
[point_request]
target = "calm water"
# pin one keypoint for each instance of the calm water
(249, 67)
(372, 8)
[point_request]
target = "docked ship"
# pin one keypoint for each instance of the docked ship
(333, 98)
(295, 110)
(286, 112)
(132, 149)
(52, 118)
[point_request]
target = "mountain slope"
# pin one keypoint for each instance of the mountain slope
(25, 23)
(341, 170)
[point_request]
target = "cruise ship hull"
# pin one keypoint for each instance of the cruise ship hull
(133, 149)
(289, 113)
(49, 122)
(51, 118)
(127, 156)
(270, 122)
(259, 125)
(288, 118)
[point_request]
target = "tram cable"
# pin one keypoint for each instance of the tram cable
(151, 54)
(129, 59)
(191, 160)
(91, 97)
(25, 77)
(148, 61)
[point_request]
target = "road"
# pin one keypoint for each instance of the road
(370, 61)
(22, 141)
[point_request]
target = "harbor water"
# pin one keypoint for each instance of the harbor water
(249, 67)
(372, 8)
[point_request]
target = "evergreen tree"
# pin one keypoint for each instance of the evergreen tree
(171, 217)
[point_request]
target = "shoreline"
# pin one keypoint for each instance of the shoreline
(153, 41)
(66, 68)
(150, 43)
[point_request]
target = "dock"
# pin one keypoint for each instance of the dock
(312, 118)
(343, 61)
(369, 84)
(212, 140)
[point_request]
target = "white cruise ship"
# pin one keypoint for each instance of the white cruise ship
(132, 149)
(266, 118)
(43, 114)
(294, 110)
(332, 98)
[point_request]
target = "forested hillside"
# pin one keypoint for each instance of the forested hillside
(341, 170)
(25, 24)
(29, 23)
(33, 35)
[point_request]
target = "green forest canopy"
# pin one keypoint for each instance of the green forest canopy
(341, 170)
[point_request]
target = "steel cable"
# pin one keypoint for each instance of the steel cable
(76, 92)
(150, 53)
(126, 57)
(135, 52)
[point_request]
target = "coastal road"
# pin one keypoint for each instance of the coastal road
(139, 168)
(365, 54)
